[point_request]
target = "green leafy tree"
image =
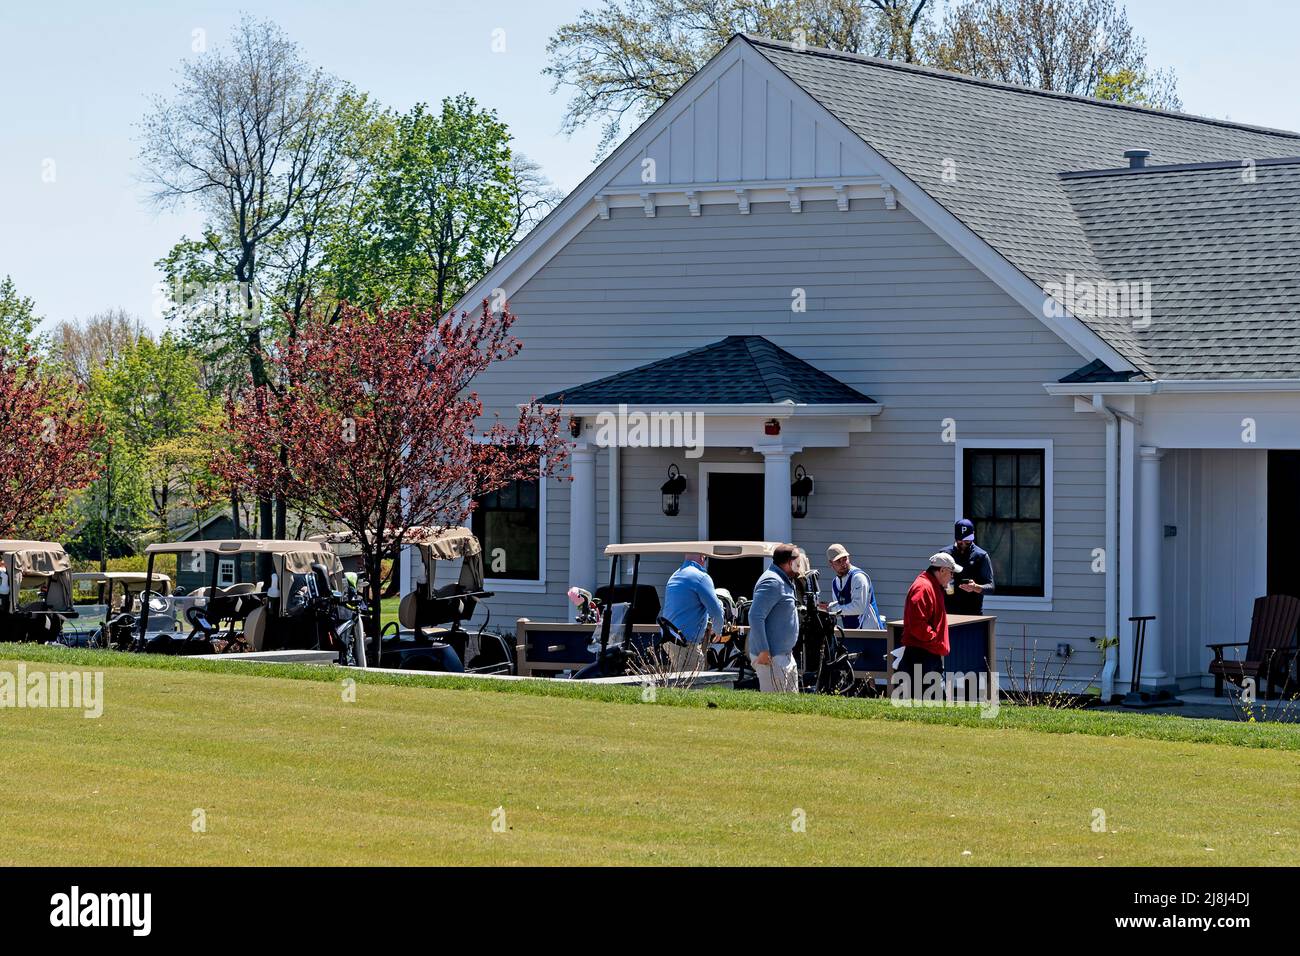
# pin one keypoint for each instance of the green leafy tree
(442, 206)
(19, 323)
(150, 399)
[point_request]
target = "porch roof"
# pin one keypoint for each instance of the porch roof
(738, 370)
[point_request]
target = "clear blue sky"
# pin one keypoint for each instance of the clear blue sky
(75, 78)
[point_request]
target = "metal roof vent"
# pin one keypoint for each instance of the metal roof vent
(1137, 158)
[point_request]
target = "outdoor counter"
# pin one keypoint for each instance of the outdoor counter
(972, 643)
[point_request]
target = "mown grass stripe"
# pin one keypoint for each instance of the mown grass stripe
(1266, 736)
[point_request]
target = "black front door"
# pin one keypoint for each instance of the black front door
(736, 514)
(1283, 521)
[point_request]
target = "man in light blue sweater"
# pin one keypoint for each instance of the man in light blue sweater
(690, 603)
(774, 624)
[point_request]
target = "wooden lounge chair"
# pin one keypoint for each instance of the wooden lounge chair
(1269, 650)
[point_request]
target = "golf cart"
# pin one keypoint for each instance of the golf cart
(304, 602)
(724, 652)
(108, 601)
(35, 591)
(825, 666)
(430, 632)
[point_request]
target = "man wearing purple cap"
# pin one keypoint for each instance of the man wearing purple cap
(976, 577)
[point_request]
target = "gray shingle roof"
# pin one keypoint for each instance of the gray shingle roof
(740, 369)
(1222, 255)
(1004, 147)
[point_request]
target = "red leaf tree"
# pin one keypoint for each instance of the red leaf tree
(373, 426)
(45, 444)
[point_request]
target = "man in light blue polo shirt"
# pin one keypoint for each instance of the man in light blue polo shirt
(690, 602)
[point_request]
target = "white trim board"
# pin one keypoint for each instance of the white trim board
(996, 602)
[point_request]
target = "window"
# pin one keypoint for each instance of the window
(1005, 494)
(508, 524)
(226, 572)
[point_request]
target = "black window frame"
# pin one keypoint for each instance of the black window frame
(1004, 587)
(491, 503)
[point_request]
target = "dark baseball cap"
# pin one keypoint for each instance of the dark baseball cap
(963, 530)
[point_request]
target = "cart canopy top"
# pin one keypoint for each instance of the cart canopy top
(35, 558)
(441, 544)
(713, 549)
(124, 577)
(298, 556)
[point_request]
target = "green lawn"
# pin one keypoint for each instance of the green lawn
(388, 610)
(286, 771)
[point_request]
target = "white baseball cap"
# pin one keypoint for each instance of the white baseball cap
(944, 560)
(835, 552)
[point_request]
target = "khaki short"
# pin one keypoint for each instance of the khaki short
(685, 657)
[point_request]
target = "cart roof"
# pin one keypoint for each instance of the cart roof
(126, 577)
(236, 546)
(714, 549)
(298, 555)
(37, 557)
(442, 543)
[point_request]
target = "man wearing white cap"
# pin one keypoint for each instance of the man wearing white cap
(855, 598)
(925, 621)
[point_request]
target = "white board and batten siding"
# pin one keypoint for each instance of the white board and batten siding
(891, 310)
(742, 127)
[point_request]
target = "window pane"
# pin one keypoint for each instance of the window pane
(510, 544)
(508, 497)
(1005, 503)
(1027, 555)
(1006, 470)
(1031, 503)
(1031, 469)
(994, 538)
(981, 471)
(981, 503)
(507, 524)
(526, 491)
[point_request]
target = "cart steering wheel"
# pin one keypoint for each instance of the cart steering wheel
(158, 602)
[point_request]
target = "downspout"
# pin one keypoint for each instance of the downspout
(1113, 559)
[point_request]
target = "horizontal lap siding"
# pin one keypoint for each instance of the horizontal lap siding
(891, 310)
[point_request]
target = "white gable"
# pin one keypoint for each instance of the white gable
(738, 128)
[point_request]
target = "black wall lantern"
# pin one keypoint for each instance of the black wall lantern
(672, 490)
(799, 492)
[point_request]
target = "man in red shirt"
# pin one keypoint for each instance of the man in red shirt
(925, 622)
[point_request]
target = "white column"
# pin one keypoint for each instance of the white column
(582, 519)
(1151, 535)
(776, 496)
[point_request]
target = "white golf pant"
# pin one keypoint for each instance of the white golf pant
(779, 677)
